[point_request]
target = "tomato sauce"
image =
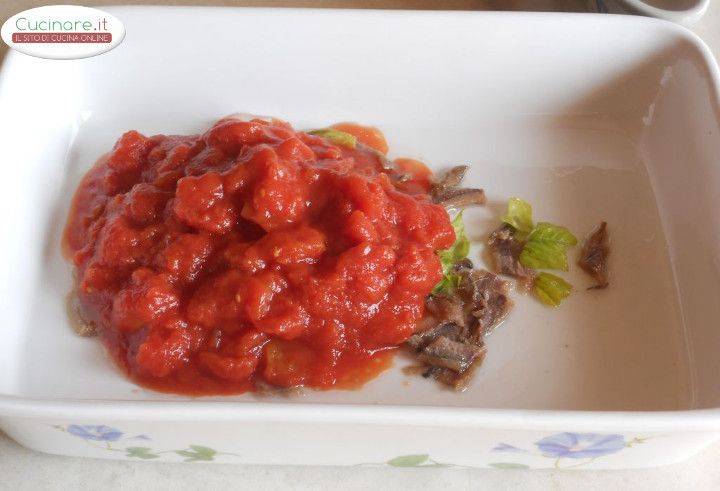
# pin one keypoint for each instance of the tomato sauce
(251, 254)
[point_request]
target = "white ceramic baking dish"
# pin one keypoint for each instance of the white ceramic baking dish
(685, 12)
(589, 117)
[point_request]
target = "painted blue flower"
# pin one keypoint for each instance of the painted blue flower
(580, 445)
(504, 447)
(93, 432)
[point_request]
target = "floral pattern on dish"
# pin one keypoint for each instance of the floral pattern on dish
(584, 448)
(109, 435)
(580, 445)
(95, 432)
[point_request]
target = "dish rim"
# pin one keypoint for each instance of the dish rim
(205, 411)
(687, 16)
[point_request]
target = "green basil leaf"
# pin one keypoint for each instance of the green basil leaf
(547, 232)
(336, 136)
(448, 257)
(546, 247)
(519, 216)
(449, 282)
(459, 250)
(551, 289)
(544, 255)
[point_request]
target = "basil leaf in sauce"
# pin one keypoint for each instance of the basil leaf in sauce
(448, 257)
(336, 136)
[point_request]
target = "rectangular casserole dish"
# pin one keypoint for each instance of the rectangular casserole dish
(588, 117)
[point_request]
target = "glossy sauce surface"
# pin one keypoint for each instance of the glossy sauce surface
(254, 254)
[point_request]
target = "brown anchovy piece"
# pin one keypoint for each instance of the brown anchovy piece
(453, 347)
(458, 381)
(80, 326)
(594, 256)
(461, 382)
(451, 179)
(448, 330)
(453, 355)
(263, 388)
(461, 198)
(464, 264)
(386, 164)
(447, 307)
(505, 251)
(489, 297)
(446, 191)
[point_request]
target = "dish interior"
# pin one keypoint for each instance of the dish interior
(585, 130)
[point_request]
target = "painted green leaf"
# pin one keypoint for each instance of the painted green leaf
(336, 136)
(508, 465)
(197, 453)
(408, 460)
(141, 453)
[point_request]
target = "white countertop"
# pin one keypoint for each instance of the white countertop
(24, 469)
